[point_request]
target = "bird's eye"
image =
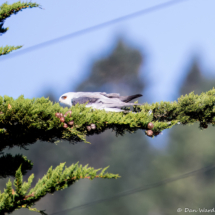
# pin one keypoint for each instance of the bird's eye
(64, 97)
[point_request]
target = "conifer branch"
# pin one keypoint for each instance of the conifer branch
(6, 11)
(56, 179)
(7, 49)
(24, 121)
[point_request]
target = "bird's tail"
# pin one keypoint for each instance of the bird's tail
(129, 98)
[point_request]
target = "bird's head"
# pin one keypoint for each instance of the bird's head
(66, 99)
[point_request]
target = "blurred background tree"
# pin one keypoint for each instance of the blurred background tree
(188, 148)
(195, 81)
(119, 72)
(132, 155)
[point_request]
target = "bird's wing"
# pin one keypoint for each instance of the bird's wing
(88, 94)
(111, 95)
(119, 105)
(101, 105)
(122, 98)
(83, 100)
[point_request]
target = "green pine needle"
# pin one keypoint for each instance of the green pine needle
(56, 179)
(29, 120)
(7, 49)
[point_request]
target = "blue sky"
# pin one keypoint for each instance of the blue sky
(169, 37)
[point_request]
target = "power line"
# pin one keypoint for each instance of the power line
(140, 189)
(92, 28)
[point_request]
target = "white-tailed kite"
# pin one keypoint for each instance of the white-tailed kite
(97, 100)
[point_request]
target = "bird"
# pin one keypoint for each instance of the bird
(99, 100)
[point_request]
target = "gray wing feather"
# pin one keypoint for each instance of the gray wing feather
(113, 105)
(83, 100)
(111, 95)
(119, 105)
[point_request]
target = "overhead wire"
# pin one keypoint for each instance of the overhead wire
(92, 28)
(140, 189)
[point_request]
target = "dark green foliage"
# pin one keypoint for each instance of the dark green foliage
(189, 109)
(9, 164)
(24, 121)
(56, 179)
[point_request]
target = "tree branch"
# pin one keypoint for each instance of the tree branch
(55, 179)
(24, 121)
